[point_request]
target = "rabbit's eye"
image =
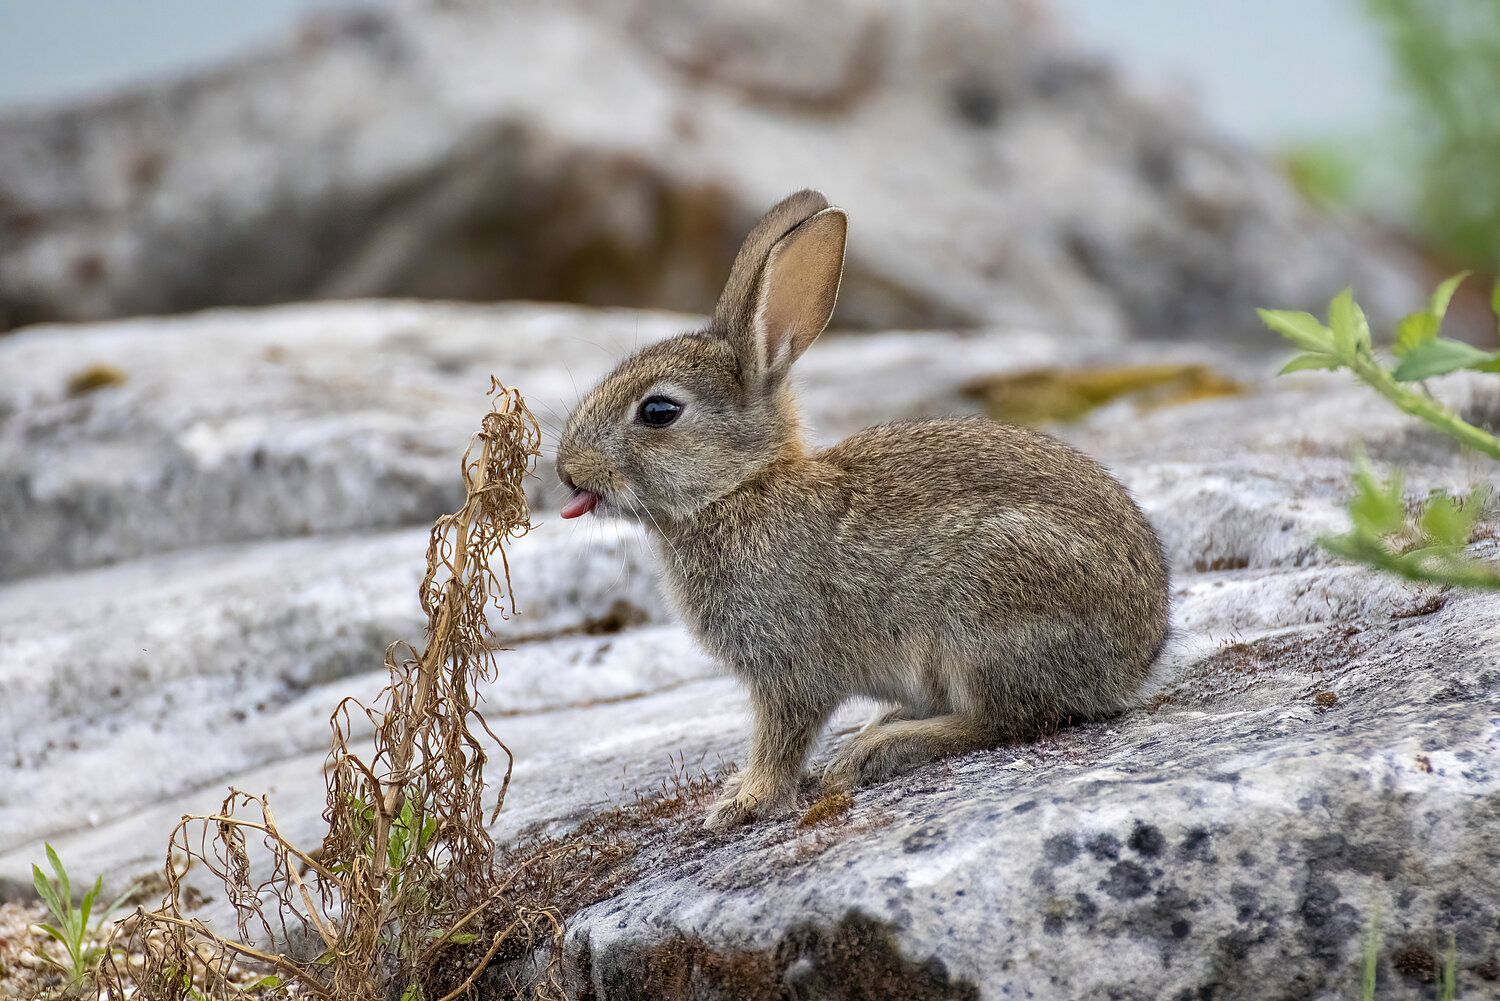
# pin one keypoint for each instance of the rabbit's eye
(658, 411)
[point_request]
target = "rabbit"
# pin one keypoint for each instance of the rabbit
(987, 581)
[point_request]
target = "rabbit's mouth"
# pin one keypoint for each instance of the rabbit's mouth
(581, 503)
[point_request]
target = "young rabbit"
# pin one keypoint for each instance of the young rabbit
(988, 580)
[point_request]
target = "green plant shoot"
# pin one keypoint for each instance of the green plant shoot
(1427, 544)
(1447, 975)
(72, 927)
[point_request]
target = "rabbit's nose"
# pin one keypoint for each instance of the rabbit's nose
(561, 464)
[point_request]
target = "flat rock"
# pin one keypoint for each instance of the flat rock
(1324, 738)
(240, 653)
(236, 425)
(615, 154)
(1239, 841)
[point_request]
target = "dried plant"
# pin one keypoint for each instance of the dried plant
(407, 875)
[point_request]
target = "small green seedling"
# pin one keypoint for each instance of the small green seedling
(1372, 954)
(72, 926)
(1428, 544)
(1448, 973)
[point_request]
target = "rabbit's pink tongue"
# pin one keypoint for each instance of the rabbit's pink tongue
(580, 503)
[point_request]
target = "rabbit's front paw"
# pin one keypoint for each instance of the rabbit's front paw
(743, 801)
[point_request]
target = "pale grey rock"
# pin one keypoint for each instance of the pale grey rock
(1234, 843)
(615, 153)
(241, 425)
(240, 653)
(233, 425)
(1229, 839)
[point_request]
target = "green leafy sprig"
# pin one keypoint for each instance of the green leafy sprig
(72, 927)
(1428, 543)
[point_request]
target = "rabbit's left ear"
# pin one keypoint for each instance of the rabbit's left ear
(795, 294)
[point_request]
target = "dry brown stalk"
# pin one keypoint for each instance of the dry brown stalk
(407, 860)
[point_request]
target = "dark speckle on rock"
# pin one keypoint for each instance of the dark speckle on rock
(1318, 901)
(1331, 922)
(1085, 910)
(923, 839)
(1147, 840)
(1195, 845)
(1246, 899)
(977, 103)
(1104, 847)
(1060, 849)
(1126, 881)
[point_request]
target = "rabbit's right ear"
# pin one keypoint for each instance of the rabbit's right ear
(784, 284)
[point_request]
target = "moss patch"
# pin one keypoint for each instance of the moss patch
(1051, 394)
(86, 380)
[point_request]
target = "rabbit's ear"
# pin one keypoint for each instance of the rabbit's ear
(784, 284)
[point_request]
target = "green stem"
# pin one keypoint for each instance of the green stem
(1368, 369)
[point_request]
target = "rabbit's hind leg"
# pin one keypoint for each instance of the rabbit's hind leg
(892, 714)
(888, 748)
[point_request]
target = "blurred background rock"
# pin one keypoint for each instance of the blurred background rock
(999, 167)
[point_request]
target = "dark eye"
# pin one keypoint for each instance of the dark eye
(658, 411)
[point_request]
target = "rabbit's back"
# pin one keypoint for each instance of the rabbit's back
(991, 521)
(951, 560)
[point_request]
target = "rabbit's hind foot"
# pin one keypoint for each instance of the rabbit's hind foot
(896, 745)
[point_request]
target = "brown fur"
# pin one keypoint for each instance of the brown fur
(989, 581)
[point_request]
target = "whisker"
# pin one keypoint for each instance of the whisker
(620, 542)
(577, 396)
(675, 554)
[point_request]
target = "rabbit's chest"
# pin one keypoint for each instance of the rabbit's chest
(763, 614)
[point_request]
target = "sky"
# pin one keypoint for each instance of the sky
(57, 49)
(1268, 72)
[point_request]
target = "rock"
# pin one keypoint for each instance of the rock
(616, 154)
(1324, 737)
(230, 426)
(242, 652)
(1239, 841)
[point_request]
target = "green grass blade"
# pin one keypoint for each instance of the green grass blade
(56, 933)
(64, 889)
(87, 906)
(118, 902)
(48, 892)
(1372, 954)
